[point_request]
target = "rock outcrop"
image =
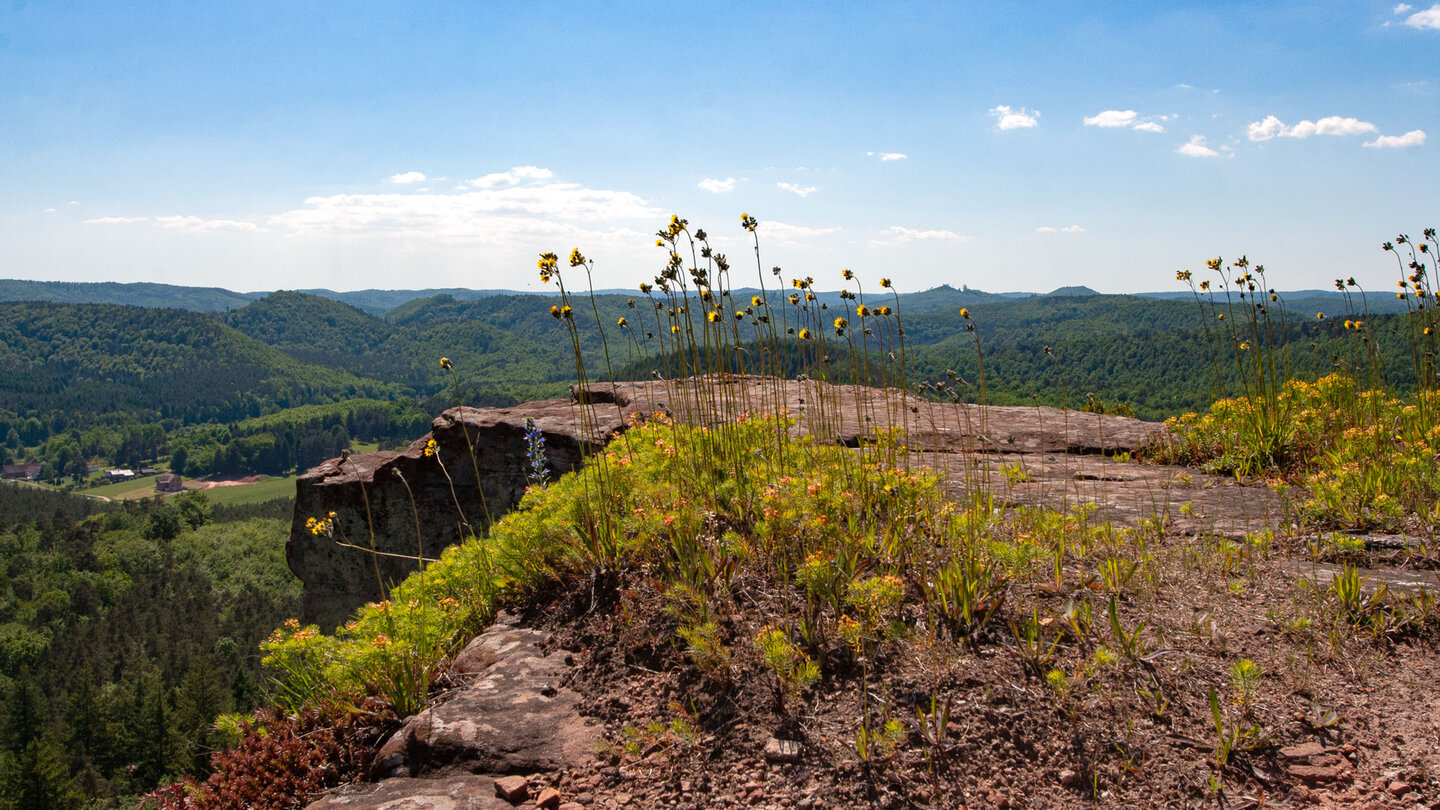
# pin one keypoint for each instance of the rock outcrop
(407, 503)
(511, 716)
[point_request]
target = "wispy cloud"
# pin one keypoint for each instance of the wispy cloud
(183, 223)
(1117, 119)
(714, 186)
(886, 157)
(115, 220)
(1112, 118)
(803, 191)
(1429, 18)
(512, 178)
(194, 224)
(519, 209)
(899, 235)
(407, 178)
(1414, 137)
(787, 235)
(1008, 118)
(1272, 127)
(1066, 229)
(1196, 148)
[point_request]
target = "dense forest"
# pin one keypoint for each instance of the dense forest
(123, 631)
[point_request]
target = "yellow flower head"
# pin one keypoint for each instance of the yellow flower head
(885, 282)
(739, 314)
(555, 312)
(809, 296)
(804, 334)
(430, 447)
(848, 274)
(965, 313)
(548, 262)
(622, 323)
(757, 301)
(445, 363)
(576, 257)
(712, 317)
(862, 311)
(794, 299)
(841, 323)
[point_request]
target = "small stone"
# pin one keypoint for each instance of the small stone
(513, 789)
(777, 750)
(1398, 788)
(571, 806)
(1317, 774)
(622, 799)
(1303, 751)
(1068, 778)
(549, 799)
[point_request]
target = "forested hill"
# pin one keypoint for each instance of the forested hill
(199, 299)
(289, 349)
(162, 363)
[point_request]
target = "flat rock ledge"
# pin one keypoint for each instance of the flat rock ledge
(511, 717)
(406, 503)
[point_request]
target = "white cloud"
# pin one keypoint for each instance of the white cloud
(1008, 118)
(1273, 127)
(1112, 118)
(1414, 137)
(193, 224)
(803, 191)
(1196, 148)
(1066, 229)
(1429, 18)
(406, 178)
(48, 211)
(1116, 119)
(1265, 130)
(188, 224)
(898, 235)
(785, 235)
(503, 209)
(512, 178)
(1402, 8)
(73, 202)
(886, 157)
(714, 186)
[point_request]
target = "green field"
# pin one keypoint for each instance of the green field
(125, 490)
(267, 490)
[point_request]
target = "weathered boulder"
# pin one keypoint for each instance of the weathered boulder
(513, 716)
(407, 503)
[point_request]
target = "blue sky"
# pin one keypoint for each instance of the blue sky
(1003, 146)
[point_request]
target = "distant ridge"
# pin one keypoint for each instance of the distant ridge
(138, 294)
(384, 302)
